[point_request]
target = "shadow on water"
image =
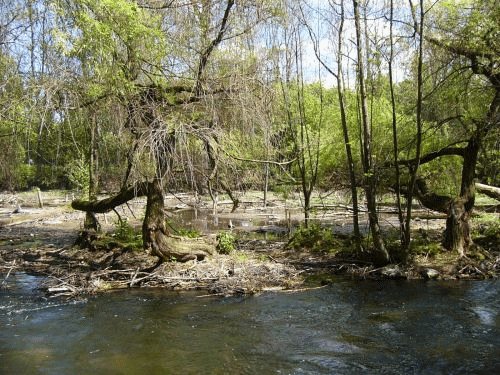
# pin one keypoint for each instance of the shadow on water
(349, 327)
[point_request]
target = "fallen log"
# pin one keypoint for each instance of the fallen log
(490, 191)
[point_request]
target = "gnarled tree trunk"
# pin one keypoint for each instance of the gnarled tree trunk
(457, 232)
(154, 228)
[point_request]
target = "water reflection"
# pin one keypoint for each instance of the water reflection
(346, 328)
(208, 221)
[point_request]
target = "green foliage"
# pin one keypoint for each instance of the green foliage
(110, 39)
(126, 234)
(77, 172)
(190, 233)
(315, 238)
(486, 232)
(225, 242)
(488, 169)
(422, 244)
(425, 248)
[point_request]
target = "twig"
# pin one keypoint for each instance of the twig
(133, 277)
(132, 212)
(8, 273)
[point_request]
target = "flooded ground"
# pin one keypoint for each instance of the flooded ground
(39, 240)
(187, 210)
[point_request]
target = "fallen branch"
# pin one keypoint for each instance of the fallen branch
(490, 191)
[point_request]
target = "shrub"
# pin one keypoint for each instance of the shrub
(315, 238)
(126, 234)
(225, 242)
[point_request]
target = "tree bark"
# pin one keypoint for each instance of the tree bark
(382, 256)
(155, 234)
(457, 231)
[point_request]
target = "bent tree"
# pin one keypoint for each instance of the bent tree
(155, 233)
(164, 78)
(470, 41)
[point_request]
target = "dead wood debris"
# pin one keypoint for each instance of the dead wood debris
(72, 272)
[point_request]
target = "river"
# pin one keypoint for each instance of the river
(348, 327)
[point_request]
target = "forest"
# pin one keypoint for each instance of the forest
(122, 98)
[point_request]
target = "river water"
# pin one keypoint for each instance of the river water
(348, 327)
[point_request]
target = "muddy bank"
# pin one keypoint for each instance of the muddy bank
(41, 241)
(256, 265)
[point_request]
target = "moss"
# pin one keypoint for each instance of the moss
(190, 233)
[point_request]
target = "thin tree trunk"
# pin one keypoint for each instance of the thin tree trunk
(266, 182)
(418, 146)
(402, 229)
(345, 130)
(91, 221)
(382, 255)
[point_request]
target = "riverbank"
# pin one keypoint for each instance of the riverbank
(41, 241)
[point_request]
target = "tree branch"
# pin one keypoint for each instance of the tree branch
(206, 54)
(447, 151)
(105, 205)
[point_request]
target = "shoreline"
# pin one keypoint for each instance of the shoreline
(41, 242)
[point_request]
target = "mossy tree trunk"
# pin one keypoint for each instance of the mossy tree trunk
(156, 237)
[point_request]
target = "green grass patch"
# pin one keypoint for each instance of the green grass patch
(486, 230)
(242, 257)
(419, 247)
(126, 235)
(190, 233)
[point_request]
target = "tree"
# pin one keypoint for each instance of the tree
(467, 39)
(166, 103)
(337, 25)
(370, 188)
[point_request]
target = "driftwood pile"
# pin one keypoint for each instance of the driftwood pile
(72, 272)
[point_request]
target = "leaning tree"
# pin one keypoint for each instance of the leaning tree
(463, 38)
(156, 61)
